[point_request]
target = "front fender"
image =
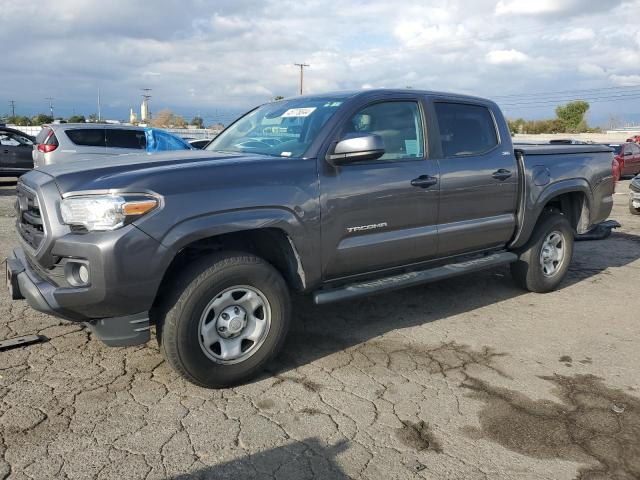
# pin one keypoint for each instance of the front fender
(197, 228)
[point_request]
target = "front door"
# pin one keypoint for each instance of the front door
(478, 179)
(381, 213)
(16, 151)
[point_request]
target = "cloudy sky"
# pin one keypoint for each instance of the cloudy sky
(218, 58)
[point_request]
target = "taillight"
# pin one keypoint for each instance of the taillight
(46, 148)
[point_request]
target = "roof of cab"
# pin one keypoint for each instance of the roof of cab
(64, 126)
(378, 91)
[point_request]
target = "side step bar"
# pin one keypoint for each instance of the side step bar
(409, 279)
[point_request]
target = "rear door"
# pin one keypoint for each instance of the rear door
(634, 166)
(372, 216)
(125, 140)
(478, 177)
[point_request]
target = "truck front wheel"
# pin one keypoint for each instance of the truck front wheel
(544, 260)
(226, 317)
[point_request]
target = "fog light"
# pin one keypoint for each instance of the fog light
(77, 274)
(83, 273)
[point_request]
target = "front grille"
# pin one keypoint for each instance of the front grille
(30, 224)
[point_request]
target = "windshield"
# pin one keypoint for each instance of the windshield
(281, 129)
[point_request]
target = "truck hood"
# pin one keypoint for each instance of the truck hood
(121, 171)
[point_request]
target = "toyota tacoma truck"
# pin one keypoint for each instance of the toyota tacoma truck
(336, 195)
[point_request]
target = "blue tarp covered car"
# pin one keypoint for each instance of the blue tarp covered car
(161, 140)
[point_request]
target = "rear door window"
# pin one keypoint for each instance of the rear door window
(121, 138)
(88, 137)
(465, 129)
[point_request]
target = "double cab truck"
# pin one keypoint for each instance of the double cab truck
(337, 195)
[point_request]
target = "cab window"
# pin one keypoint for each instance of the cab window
(398, 123)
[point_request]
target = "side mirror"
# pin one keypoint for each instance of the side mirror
(356, 149)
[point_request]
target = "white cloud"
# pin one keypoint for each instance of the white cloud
(625, 80)
(232, 54)
(505, 57)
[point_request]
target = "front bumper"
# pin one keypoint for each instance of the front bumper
(24, 282)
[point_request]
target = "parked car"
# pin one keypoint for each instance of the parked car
(355, 200)
(199, 143)
(634, 196)
(57, 143)
(628, 157)
(15, 152)
(634, 139)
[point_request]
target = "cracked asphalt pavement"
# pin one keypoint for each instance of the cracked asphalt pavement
(469, 378)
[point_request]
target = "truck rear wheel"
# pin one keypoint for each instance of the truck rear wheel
(226, 318)
(544, 260)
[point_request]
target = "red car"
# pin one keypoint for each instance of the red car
(635, 139)
(628, 157)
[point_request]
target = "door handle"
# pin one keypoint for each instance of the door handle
(501, 174)
(424, 181)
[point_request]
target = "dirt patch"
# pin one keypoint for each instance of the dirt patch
(418, 436)
(592, 423)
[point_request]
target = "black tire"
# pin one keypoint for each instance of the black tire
(179, 318)
(528, 271)
(633, 210)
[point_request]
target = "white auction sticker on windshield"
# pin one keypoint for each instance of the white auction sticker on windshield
(299, 112)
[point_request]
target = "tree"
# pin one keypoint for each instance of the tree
(278, 97)
(572, 115)
(164, 118)
(93, 118)
(178, 121)
(197, 121)
(18, 120)
(41, 118)
(76, 119)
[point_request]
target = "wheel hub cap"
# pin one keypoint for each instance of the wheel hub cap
(234, 324)
(231, 321)
(552, 253)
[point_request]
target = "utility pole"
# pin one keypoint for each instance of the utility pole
(50, 105)
(12, 104)
(301, 65)
(99, 106)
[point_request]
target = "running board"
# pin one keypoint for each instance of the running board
(409, 279)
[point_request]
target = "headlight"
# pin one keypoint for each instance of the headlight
(105, 212)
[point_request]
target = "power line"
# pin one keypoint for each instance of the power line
(630, 96)
(564, 92)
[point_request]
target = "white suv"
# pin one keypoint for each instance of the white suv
(76, 141)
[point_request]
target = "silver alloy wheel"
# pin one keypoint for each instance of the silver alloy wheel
(552, 253)
(234, 324)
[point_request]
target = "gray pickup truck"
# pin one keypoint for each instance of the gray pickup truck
(336, 195)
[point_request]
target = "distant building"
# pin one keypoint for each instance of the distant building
(217, 128)
(133, 117)
(144, 111)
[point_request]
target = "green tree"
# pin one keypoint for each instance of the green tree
(197, 121)
(76, 119)
(93, 118)
(41, 118)
(278, 97)
(572, 116)
(18, 120)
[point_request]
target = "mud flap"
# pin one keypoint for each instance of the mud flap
(599, 232)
